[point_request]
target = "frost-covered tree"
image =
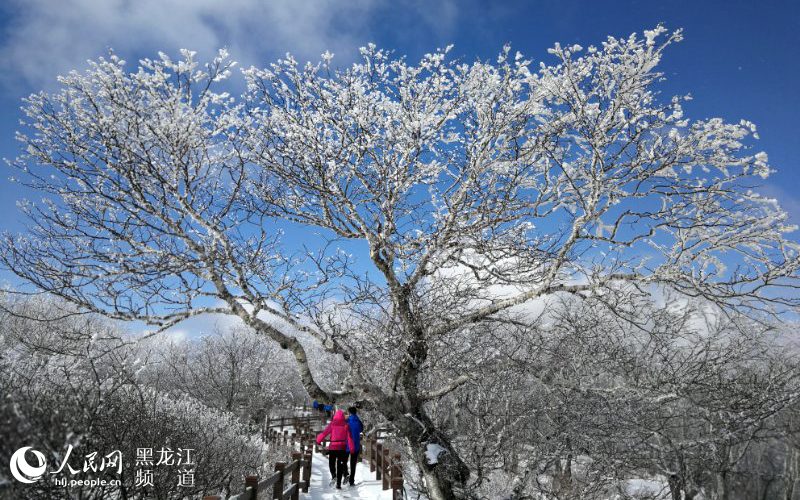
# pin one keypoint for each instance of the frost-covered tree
(583, 403)
(233, 370)
(70, 385)
(679, 392)
(423, 200)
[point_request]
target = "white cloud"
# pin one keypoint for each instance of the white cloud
(45, 38)
(176, 336)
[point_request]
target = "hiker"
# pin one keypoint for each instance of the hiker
(338, 432)
(320, 407)
(355, 425)
(328, 410)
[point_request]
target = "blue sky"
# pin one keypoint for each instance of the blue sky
(739, 59)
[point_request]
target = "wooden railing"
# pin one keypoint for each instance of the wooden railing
(386, 464)
(293, 429)
(288, 480)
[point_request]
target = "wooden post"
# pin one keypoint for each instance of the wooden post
(307, 470)
(373, 443)
(283, 422)
(378, 460)
(386, 467)
(277, 489)
(251, 482)
(212, 497)
(397, 488)
(296, 457)
(397, 470)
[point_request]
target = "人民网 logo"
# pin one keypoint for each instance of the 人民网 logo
(22, 470)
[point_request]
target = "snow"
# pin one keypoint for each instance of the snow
(432, 452)
(367, 487)
(646, 488)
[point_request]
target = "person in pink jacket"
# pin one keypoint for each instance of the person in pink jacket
(338, 432)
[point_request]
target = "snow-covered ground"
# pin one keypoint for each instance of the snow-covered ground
(367, 487)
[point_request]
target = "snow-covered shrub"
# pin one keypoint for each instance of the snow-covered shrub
(232, 369)
(584, 405)
(74, 381)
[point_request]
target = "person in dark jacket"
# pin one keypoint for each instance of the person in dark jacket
(341, 440)
(356, 427)
(319, 406)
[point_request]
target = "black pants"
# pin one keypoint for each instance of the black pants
(337, 463)
(353, 461)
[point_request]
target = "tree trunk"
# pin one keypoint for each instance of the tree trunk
(562, 483)
(721, 480)
(438, 488)
(445, 479)
(679, 490)
(790, 472)
(675, 489)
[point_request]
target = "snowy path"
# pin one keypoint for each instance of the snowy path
(369, 487)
